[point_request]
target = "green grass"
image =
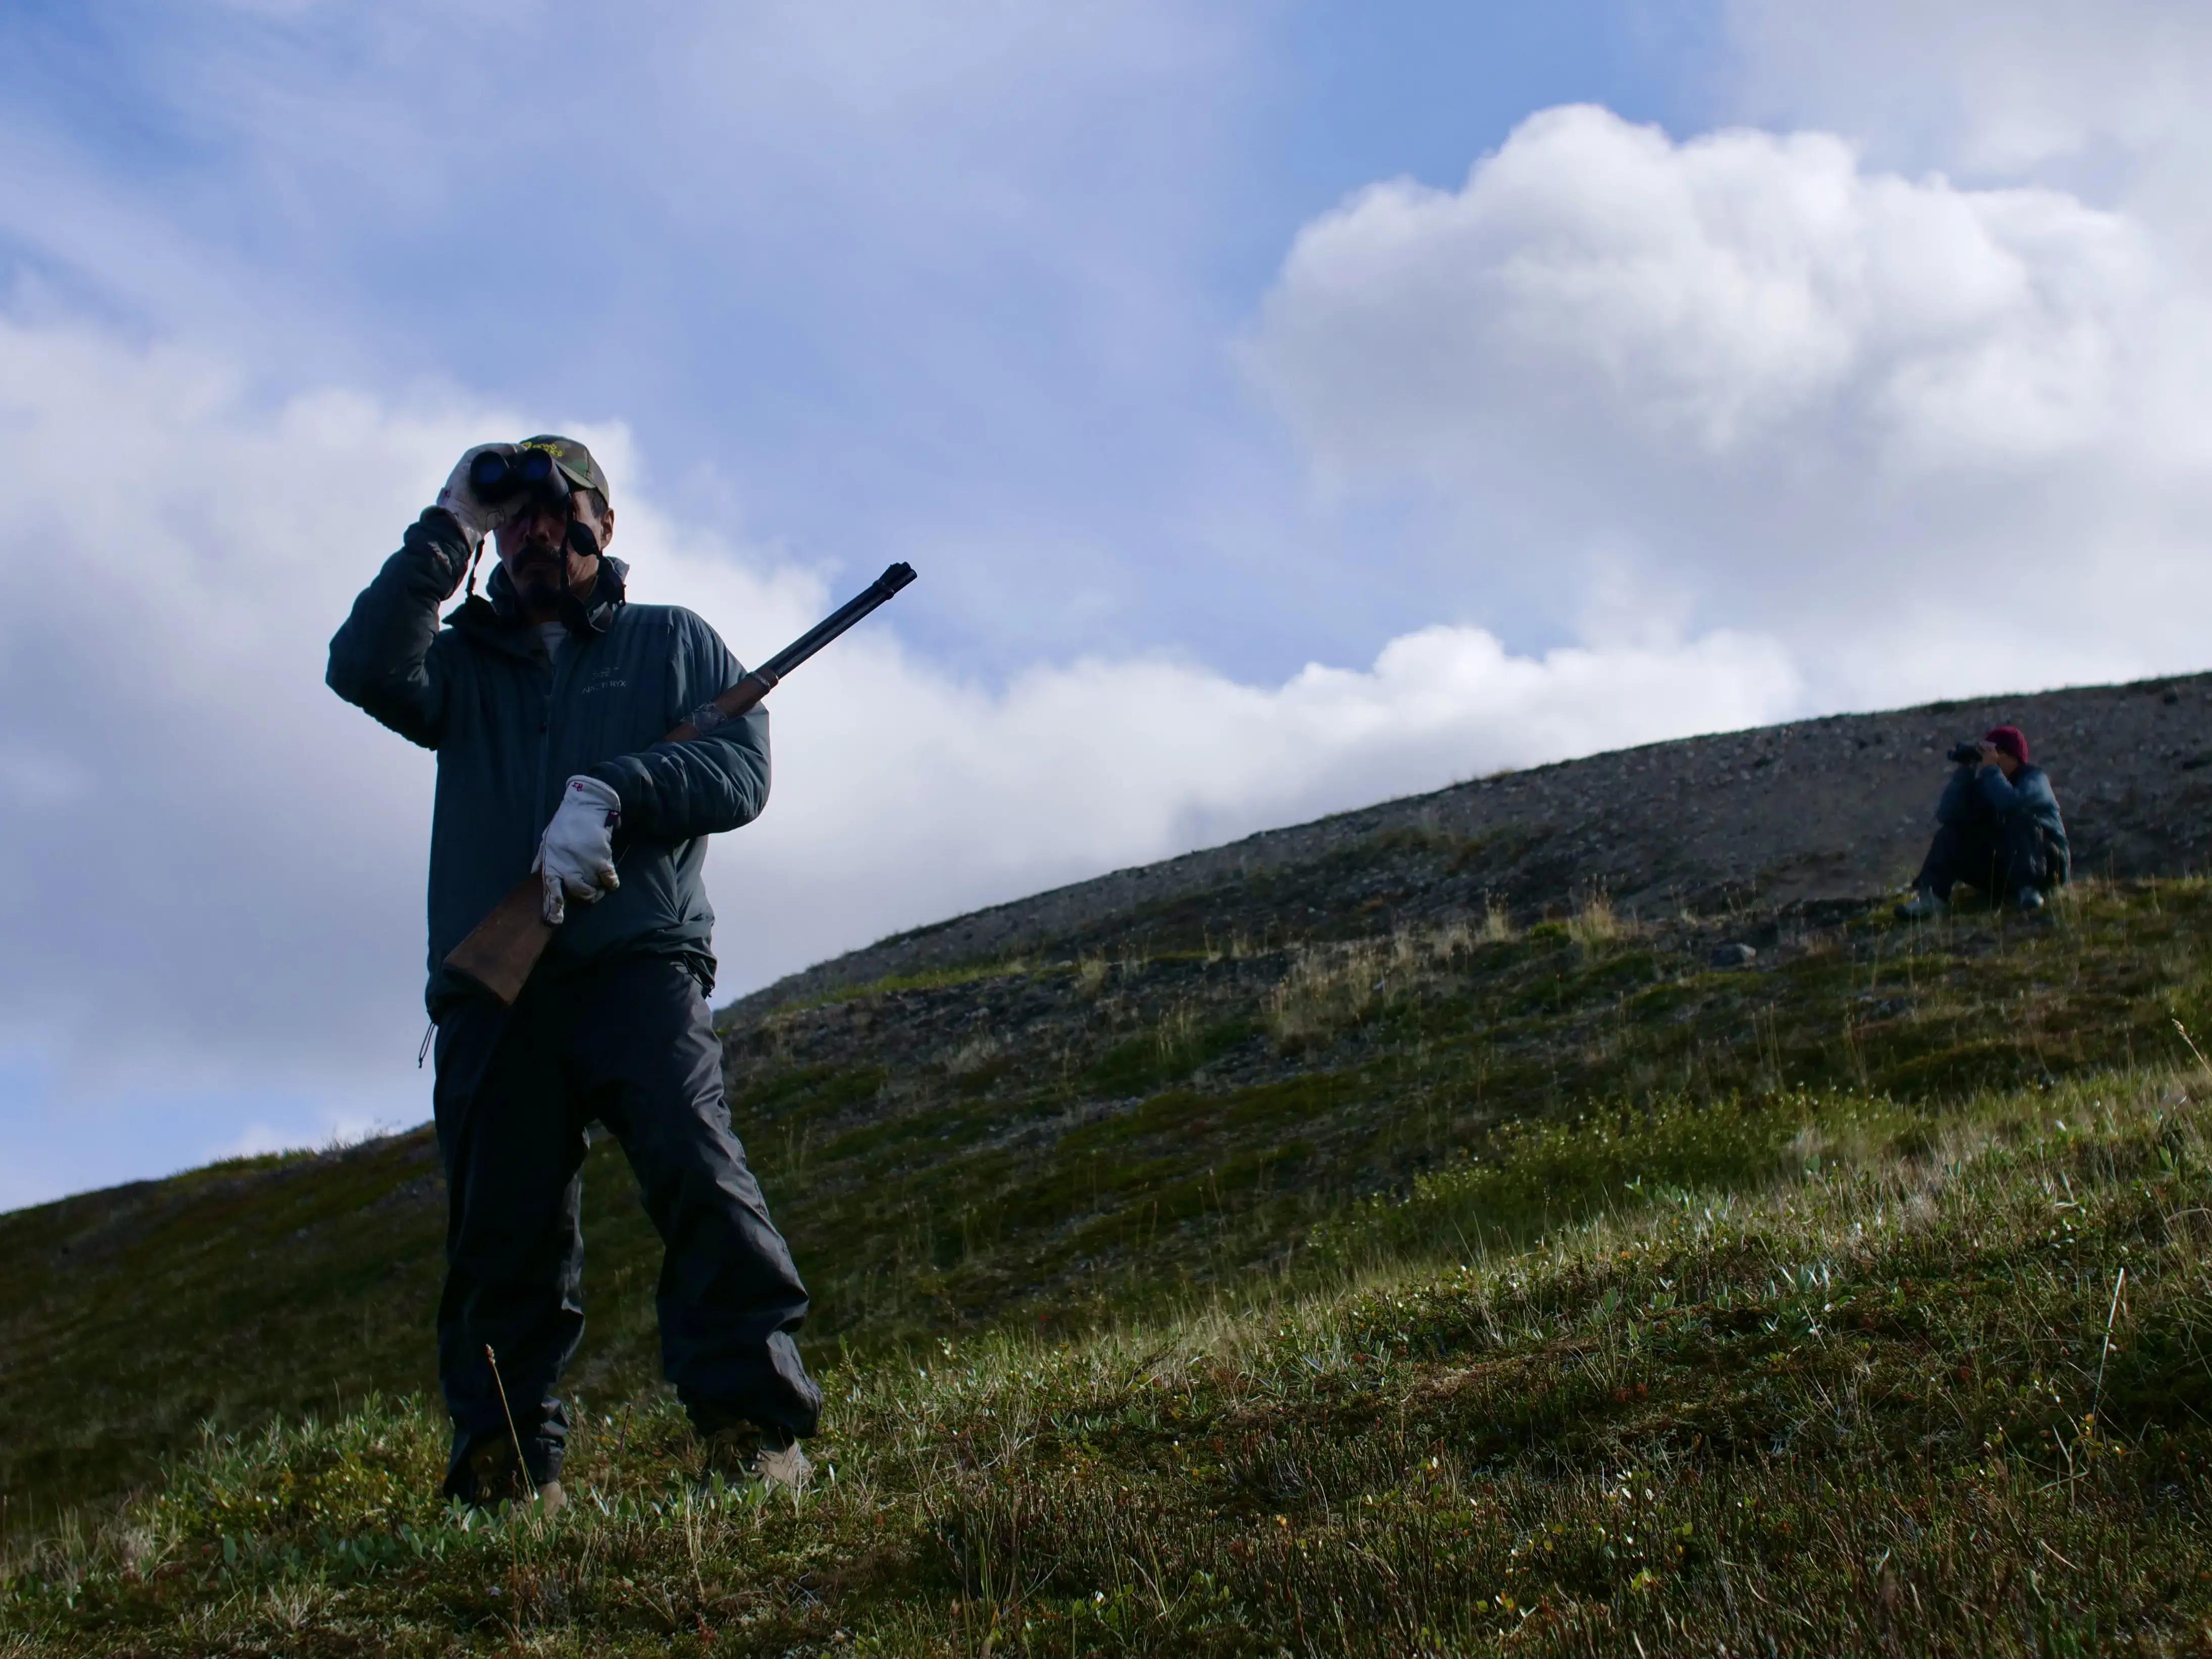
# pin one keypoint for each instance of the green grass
(1049, 1146)
(1424, 1242)
(928, 978)
(1863, 1405)
(1024, 1130)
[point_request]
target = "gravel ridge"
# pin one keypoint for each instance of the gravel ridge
(1813, 811)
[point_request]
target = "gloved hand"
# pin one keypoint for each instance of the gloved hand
(576, 858)
(476, 519)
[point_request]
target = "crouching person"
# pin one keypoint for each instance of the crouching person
(1999, 830)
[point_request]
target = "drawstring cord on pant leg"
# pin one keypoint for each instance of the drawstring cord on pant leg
(429, 1032)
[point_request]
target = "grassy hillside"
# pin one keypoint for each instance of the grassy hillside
(1050, 1144)
(1196, 1296)
(1049, 1141)
(1935, 1382)
(1814, 811)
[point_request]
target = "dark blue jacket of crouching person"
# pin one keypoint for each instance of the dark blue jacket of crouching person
(1983, 794)
(2004, 835)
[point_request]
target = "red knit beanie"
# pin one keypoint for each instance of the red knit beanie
(2007, 739)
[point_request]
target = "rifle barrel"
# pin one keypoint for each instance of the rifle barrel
(835, 622)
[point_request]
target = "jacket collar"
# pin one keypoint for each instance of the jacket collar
(495, 615)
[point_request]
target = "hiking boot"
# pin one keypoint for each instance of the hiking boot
(783, 1462)
(1923, 906)
(742, 1453)
(2029, 898)
(496, 1477)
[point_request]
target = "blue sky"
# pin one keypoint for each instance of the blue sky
(973, 307)
(1287, 404)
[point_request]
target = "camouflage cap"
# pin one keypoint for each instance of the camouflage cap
(574, 461)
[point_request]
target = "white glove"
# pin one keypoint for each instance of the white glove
(476, 519)
(576, 858)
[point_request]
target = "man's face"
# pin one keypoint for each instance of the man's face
(533, 545)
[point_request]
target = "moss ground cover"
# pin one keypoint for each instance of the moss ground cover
(1064, 1140)
(1939, 1385)
(1051, 1143)
(1202, 1165)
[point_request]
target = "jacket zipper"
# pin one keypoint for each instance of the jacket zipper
(545, 728)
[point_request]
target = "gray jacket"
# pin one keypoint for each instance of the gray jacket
(509, 730)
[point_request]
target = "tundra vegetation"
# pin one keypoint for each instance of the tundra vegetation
(1478, 1287)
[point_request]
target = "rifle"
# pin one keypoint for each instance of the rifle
(501, 949)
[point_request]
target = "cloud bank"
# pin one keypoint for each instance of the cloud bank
(222, 921)
(1930, 438)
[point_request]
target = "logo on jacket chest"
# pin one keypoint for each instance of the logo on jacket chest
(603, 679)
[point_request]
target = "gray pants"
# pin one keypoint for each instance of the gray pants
(630, 1045)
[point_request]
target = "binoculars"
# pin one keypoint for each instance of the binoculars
(497, 478)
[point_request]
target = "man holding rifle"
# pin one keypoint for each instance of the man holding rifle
(547, 699)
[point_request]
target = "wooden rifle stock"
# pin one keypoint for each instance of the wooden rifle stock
(500, 950)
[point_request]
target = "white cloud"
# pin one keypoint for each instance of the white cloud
(1989, 87)
(1708, 296)
(225, 863)
(1932, 438)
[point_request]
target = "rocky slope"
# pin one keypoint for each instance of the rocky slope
(1834, 809)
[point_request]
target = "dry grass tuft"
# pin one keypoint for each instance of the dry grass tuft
(974, 1055)
(1597, 922)
(1327, 987)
